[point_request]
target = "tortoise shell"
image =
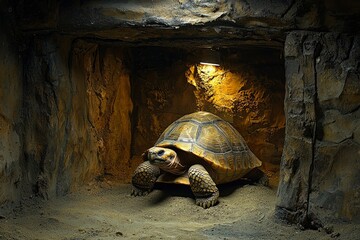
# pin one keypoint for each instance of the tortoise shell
(214, 142)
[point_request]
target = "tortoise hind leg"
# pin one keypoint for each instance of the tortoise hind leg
(144, 178)
(205, 190)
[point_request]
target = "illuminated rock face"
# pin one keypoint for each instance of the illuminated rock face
(248, 97)
(320, 162)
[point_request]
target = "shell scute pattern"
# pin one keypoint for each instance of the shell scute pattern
(213, 140)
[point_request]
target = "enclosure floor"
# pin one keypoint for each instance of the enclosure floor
(107, 211)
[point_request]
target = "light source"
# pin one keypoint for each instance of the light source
(209, 57)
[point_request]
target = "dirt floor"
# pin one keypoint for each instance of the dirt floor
(107, 211)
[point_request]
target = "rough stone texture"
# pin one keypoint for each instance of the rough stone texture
(10, 113)
(224, 22)
(126, 20)
(57, 146)
(78, 109)
(336, 180)
(110, 106)
(320, 162)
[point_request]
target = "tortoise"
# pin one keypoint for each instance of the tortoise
(200, 150)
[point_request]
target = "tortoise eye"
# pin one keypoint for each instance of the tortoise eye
(161, 152)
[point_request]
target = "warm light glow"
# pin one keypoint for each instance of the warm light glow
(210, 64)
(217, 86)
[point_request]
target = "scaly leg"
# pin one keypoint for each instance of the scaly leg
(144, 178)
(205, 190)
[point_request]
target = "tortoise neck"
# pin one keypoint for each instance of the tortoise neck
(174, 167)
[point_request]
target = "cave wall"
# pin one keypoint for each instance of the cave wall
(77, 110)
(320, 162)
(11, 98)
(108, 91)
(160, 93)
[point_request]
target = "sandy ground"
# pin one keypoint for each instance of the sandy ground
(107, 211)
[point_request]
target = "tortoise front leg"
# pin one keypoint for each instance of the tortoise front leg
(144, 178)
(205, 190)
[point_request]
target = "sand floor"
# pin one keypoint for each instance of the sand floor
(107, 211)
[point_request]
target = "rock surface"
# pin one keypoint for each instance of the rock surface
(321, 154)
(78, 106)
(10, 114)
(221, 22)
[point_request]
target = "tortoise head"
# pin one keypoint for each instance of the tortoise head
(160, 156)
(166, 159)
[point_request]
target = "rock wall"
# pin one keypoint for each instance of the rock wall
(108, 92)
(160, 93)
(320, 162)
(222, 21)
(10, 114)
(77, 107)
